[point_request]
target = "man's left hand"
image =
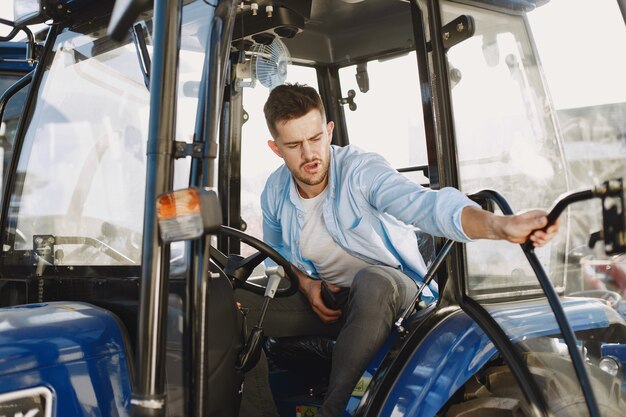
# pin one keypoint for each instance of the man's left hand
(529, 225)
(482, 224)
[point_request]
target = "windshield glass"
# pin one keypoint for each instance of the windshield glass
(79, 198)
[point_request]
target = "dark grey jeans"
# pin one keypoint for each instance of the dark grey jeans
(377, 296)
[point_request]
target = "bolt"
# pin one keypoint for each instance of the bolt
(460, 27)
(269, 10)
(446, 36)
(50, 239)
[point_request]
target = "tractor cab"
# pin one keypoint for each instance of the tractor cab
(134, 154)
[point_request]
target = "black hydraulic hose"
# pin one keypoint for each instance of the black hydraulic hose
(548, 289)
(501, 340)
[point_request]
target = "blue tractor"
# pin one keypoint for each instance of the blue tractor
(117, 298)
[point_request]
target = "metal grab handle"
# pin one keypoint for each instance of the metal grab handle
(441, 256)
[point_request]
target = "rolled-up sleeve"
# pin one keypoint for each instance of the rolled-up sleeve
(437, 212)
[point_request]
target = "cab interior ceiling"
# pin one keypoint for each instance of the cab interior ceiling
(341, 32)
(329, 32)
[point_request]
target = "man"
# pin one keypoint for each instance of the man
(346, 218)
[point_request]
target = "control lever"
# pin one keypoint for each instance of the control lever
(430, 274)
(252, 350)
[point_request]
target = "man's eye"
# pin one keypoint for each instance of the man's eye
(293, 146)
(315, 139)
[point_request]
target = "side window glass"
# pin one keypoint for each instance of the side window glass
(9, 122)
(392, 83)
(257, 160)
(507, 142)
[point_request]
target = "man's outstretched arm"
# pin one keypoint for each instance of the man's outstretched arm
(481, 224)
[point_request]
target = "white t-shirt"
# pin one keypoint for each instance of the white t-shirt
(332, 262)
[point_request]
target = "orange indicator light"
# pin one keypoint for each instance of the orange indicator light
(178, 203)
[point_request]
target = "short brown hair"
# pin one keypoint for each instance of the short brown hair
(290, 101)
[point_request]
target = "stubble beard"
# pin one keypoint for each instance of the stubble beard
(314, 179)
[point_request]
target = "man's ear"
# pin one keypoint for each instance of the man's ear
(274, 148)
(329, 127)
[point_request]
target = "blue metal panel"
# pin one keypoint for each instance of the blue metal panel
(457, 348)
(525, 319)
(12, 57)
(74, 349)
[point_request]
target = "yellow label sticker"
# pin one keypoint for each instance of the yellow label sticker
(361, 386)
(305, 411)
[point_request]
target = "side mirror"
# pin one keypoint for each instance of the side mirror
(28, 12)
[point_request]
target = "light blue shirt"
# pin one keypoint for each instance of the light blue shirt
(370, 210)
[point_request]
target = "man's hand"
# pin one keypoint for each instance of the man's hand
(311, 288)
(529, 225)
(481, 224)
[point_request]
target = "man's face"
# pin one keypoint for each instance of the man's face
(304, 145)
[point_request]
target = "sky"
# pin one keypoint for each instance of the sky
(583, 61)
(591, 62)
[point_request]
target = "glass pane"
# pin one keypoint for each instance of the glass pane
(257, 160)
(531, 142)
(371, 126)
(8, 124)
(507, 141)
(83, 164)
(587, 86)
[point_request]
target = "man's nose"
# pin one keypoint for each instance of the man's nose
(307, 150)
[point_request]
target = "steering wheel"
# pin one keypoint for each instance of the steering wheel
(612, 298)
(239, 268)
